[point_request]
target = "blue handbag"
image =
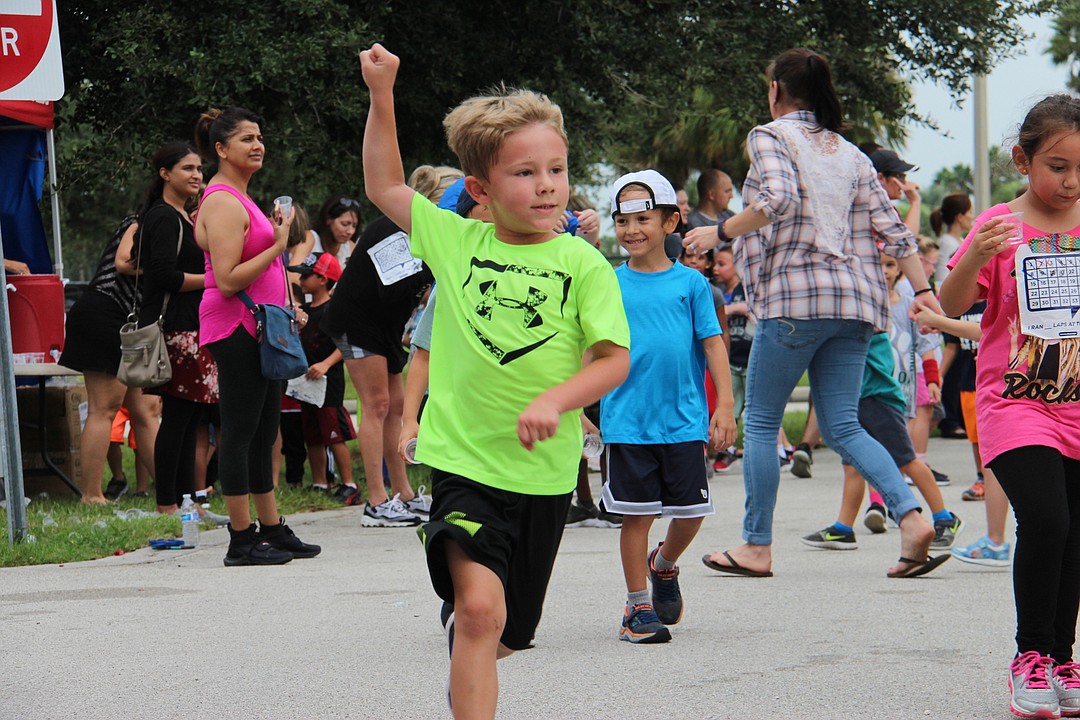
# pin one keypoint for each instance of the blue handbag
(281, 355)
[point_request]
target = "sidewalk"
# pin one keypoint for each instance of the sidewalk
(355, 632)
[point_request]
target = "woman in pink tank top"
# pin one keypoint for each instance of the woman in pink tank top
(243, 253)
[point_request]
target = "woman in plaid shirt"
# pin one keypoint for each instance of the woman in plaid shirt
(807, 249)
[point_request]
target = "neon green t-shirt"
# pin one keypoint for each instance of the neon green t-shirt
(512, 322)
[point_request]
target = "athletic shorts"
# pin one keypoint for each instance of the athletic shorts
(326, 425)
(516, 536)
(349, 351)
(967, 408)
(119, 425)
(888, 426)
(670, 480)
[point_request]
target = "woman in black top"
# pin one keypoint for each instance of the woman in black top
(174, 267)
(92, 346)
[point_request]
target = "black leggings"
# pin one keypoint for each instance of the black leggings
(174, 450)
(1044, 489)
(250, 406)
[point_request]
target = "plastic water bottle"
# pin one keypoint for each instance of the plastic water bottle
(189, 518)
(593, 446)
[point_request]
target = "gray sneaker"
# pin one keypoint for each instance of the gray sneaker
(831, 538)
(801, 460)
(945, 533)
(1030, 681)
(581, 515)
(421, 504)
(1066, 682)
(391, 513)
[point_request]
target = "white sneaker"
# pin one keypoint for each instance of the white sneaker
(391, 513)
(421, 504)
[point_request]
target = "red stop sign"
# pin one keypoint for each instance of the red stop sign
(24, 35)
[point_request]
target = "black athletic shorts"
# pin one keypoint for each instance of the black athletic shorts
(670, 480)
(516, 536)
(888, 426)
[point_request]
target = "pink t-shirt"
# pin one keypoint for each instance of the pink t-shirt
(219, 315)
(1027, 388)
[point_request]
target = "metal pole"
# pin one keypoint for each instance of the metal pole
(982, 147)
(10, 453)
(54, 201)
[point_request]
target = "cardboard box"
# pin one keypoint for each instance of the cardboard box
(65, 414)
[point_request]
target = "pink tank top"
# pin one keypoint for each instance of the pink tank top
(220, 315)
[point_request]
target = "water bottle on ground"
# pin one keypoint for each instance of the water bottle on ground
(593, 446)
(189, 518)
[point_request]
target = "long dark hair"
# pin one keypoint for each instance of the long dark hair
(803, 76)
(331, 210)
(217, 126)
(1046, 117)
(166, 157)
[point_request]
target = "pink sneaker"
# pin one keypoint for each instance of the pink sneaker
(1033, 694)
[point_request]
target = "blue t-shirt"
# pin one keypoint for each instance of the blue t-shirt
(663, 400)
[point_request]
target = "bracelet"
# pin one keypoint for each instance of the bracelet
(924, 290)
(720, 234)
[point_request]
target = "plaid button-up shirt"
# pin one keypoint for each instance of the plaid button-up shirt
(785, 271)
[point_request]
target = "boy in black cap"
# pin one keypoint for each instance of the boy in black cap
(892, 174)
(328, 424)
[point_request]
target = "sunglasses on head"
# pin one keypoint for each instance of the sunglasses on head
(348, 202)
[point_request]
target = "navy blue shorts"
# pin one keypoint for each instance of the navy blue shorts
(670, 480)
(888, 426)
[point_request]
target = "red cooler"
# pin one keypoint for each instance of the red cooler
(36, 306)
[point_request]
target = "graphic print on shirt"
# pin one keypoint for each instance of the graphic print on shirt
(1044, 339)
(509, 305)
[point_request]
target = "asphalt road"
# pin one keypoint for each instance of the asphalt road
(354, 633)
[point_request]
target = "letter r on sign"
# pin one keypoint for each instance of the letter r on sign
(8, 38)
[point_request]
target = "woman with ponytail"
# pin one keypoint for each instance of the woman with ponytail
(172, 269)
(243, 253)
(806, 248)
(955, 216)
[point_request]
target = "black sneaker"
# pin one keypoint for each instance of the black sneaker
(446, 618)
(581, 515)
(282, 537)
(607, 520)
(941, 478)
(801, 460)
(831, 538)
(245, 548)
(116, 488)
(666, 595)
(348, 494)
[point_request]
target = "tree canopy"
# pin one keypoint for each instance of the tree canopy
(675, 84)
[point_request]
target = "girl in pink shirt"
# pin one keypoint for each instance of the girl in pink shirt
(1028, 393)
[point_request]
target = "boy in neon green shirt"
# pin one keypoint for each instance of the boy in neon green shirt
(518, 306)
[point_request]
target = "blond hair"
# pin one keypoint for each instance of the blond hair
(927, 244)
(432, 182)
(477, 128)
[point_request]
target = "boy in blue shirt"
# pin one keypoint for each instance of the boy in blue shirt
(656, 424)
(519, 304)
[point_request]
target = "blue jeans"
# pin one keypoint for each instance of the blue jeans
(834, 352)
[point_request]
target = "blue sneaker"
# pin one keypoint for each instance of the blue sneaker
(640, 625)
(666, 596)
(983, 552)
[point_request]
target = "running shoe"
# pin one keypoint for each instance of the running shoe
(116, 488)
(976, 492)
(580, 515)
(801, 460)
(391, 513)
(1033, 693)
(446, 619)
(724, 461)
(1066, 681)
(420, 504)
(348, 494)
(831, 538)
(983, 552)
(941, 478)
(945, 532)
(874, 518)
(666, 596)
(640, 625)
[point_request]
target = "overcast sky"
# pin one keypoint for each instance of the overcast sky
(1013, 87)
